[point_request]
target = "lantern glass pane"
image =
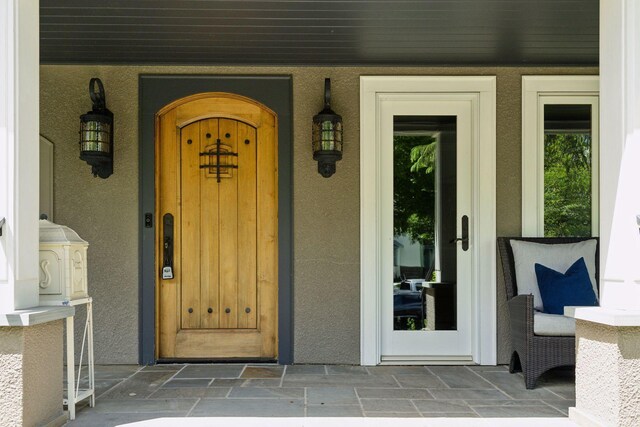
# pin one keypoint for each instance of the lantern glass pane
(95, 136)
(315, 137)
(327, 136)
(337, 135)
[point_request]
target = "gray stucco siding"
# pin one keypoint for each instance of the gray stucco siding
(326, 212)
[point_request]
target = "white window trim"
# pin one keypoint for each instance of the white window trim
(371, 88)
(534, 91)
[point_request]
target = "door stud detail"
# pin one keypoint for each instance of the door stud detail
(227, 310)
(247, 310)
(210, 310)
(190, 310)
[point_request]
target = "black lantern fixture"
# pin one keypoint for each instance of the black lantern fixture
(96, 133)
(327, 136)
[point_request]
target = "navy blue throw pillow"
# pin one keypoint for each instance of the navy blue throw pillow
(571, 288)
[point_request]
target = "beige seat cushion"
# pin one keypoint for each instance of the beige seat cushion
(555, 325)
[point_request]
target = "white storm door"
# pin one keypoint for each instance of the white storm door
(426, 227)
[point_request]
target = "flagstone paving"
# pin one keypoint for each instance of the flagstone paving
(134, 393)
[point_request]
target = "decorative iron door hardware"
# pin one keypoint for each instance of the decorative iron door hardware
(211, 163)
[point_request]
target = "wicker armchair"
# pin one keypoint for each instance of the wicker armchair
(533, 354)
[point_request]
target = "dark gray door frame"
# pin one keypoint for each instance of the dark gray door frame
(156, 91)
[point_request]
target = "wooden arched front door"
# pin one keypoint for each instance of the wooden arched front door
(216, 237)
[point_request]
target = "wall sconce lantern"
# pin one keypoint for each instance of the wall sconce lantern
(96, 133)
(327, 136)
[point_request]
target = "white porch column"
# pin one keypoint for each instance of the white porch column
(620, 153)
(19, 153)
(30, 336)
(608, 337)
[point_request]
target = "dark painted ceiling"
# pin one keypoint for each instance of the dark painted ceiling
(313, 32)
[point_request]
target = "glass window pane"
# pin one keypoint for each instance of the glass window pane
(424, 221)
(567, 170)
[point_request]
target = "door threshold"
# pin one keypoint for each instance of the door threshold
(426, 363)
(239, 360)
(427, 360)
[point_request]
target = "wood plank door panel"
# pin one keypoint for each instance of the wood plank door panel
(167, 182)
(217, 175)
(210, 235)
(247, 227)
(190, 225)
(228, 211)
(267, 235)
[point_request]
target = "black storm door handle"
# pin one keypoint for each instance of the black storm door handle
(465, 234)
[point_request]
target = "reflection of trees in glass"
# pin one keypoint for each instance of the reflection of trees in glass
(413, 187)
(567, 185)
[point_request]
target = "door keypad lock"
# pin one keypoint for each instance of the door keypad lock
(167, 259)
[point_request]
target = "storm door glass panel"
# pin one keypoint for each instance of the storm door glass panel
(568, 170)
(424, 223)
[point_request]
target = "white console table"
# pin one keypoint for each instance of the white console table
(74, 393)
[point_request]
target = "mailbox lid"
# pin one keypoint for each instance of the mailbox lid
(52, 233)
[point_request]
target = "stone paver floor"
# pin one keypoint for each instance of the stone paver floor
(128, 393)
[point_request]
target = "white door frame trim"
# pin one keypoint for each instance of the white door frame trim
(483, 233)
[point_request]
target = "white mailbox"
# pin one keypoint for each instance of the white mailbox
(63, 264)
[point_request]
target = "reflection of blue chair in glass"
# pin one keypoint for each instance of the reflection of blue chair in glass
(409, 297)
(407, 305)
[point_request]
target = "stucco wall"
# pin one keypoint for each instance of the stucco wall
(608, 373)
(11, 349)
(42, 373)
(326, 211)
(31, 365)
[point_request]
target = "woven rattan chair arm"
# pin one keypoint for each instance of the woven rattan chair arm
(521, 314)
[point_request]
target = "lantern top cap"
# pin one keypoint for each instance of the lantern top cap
(58, 234)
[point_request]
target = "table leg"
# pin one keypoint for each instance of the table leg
(71, 383)
(92, 385)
